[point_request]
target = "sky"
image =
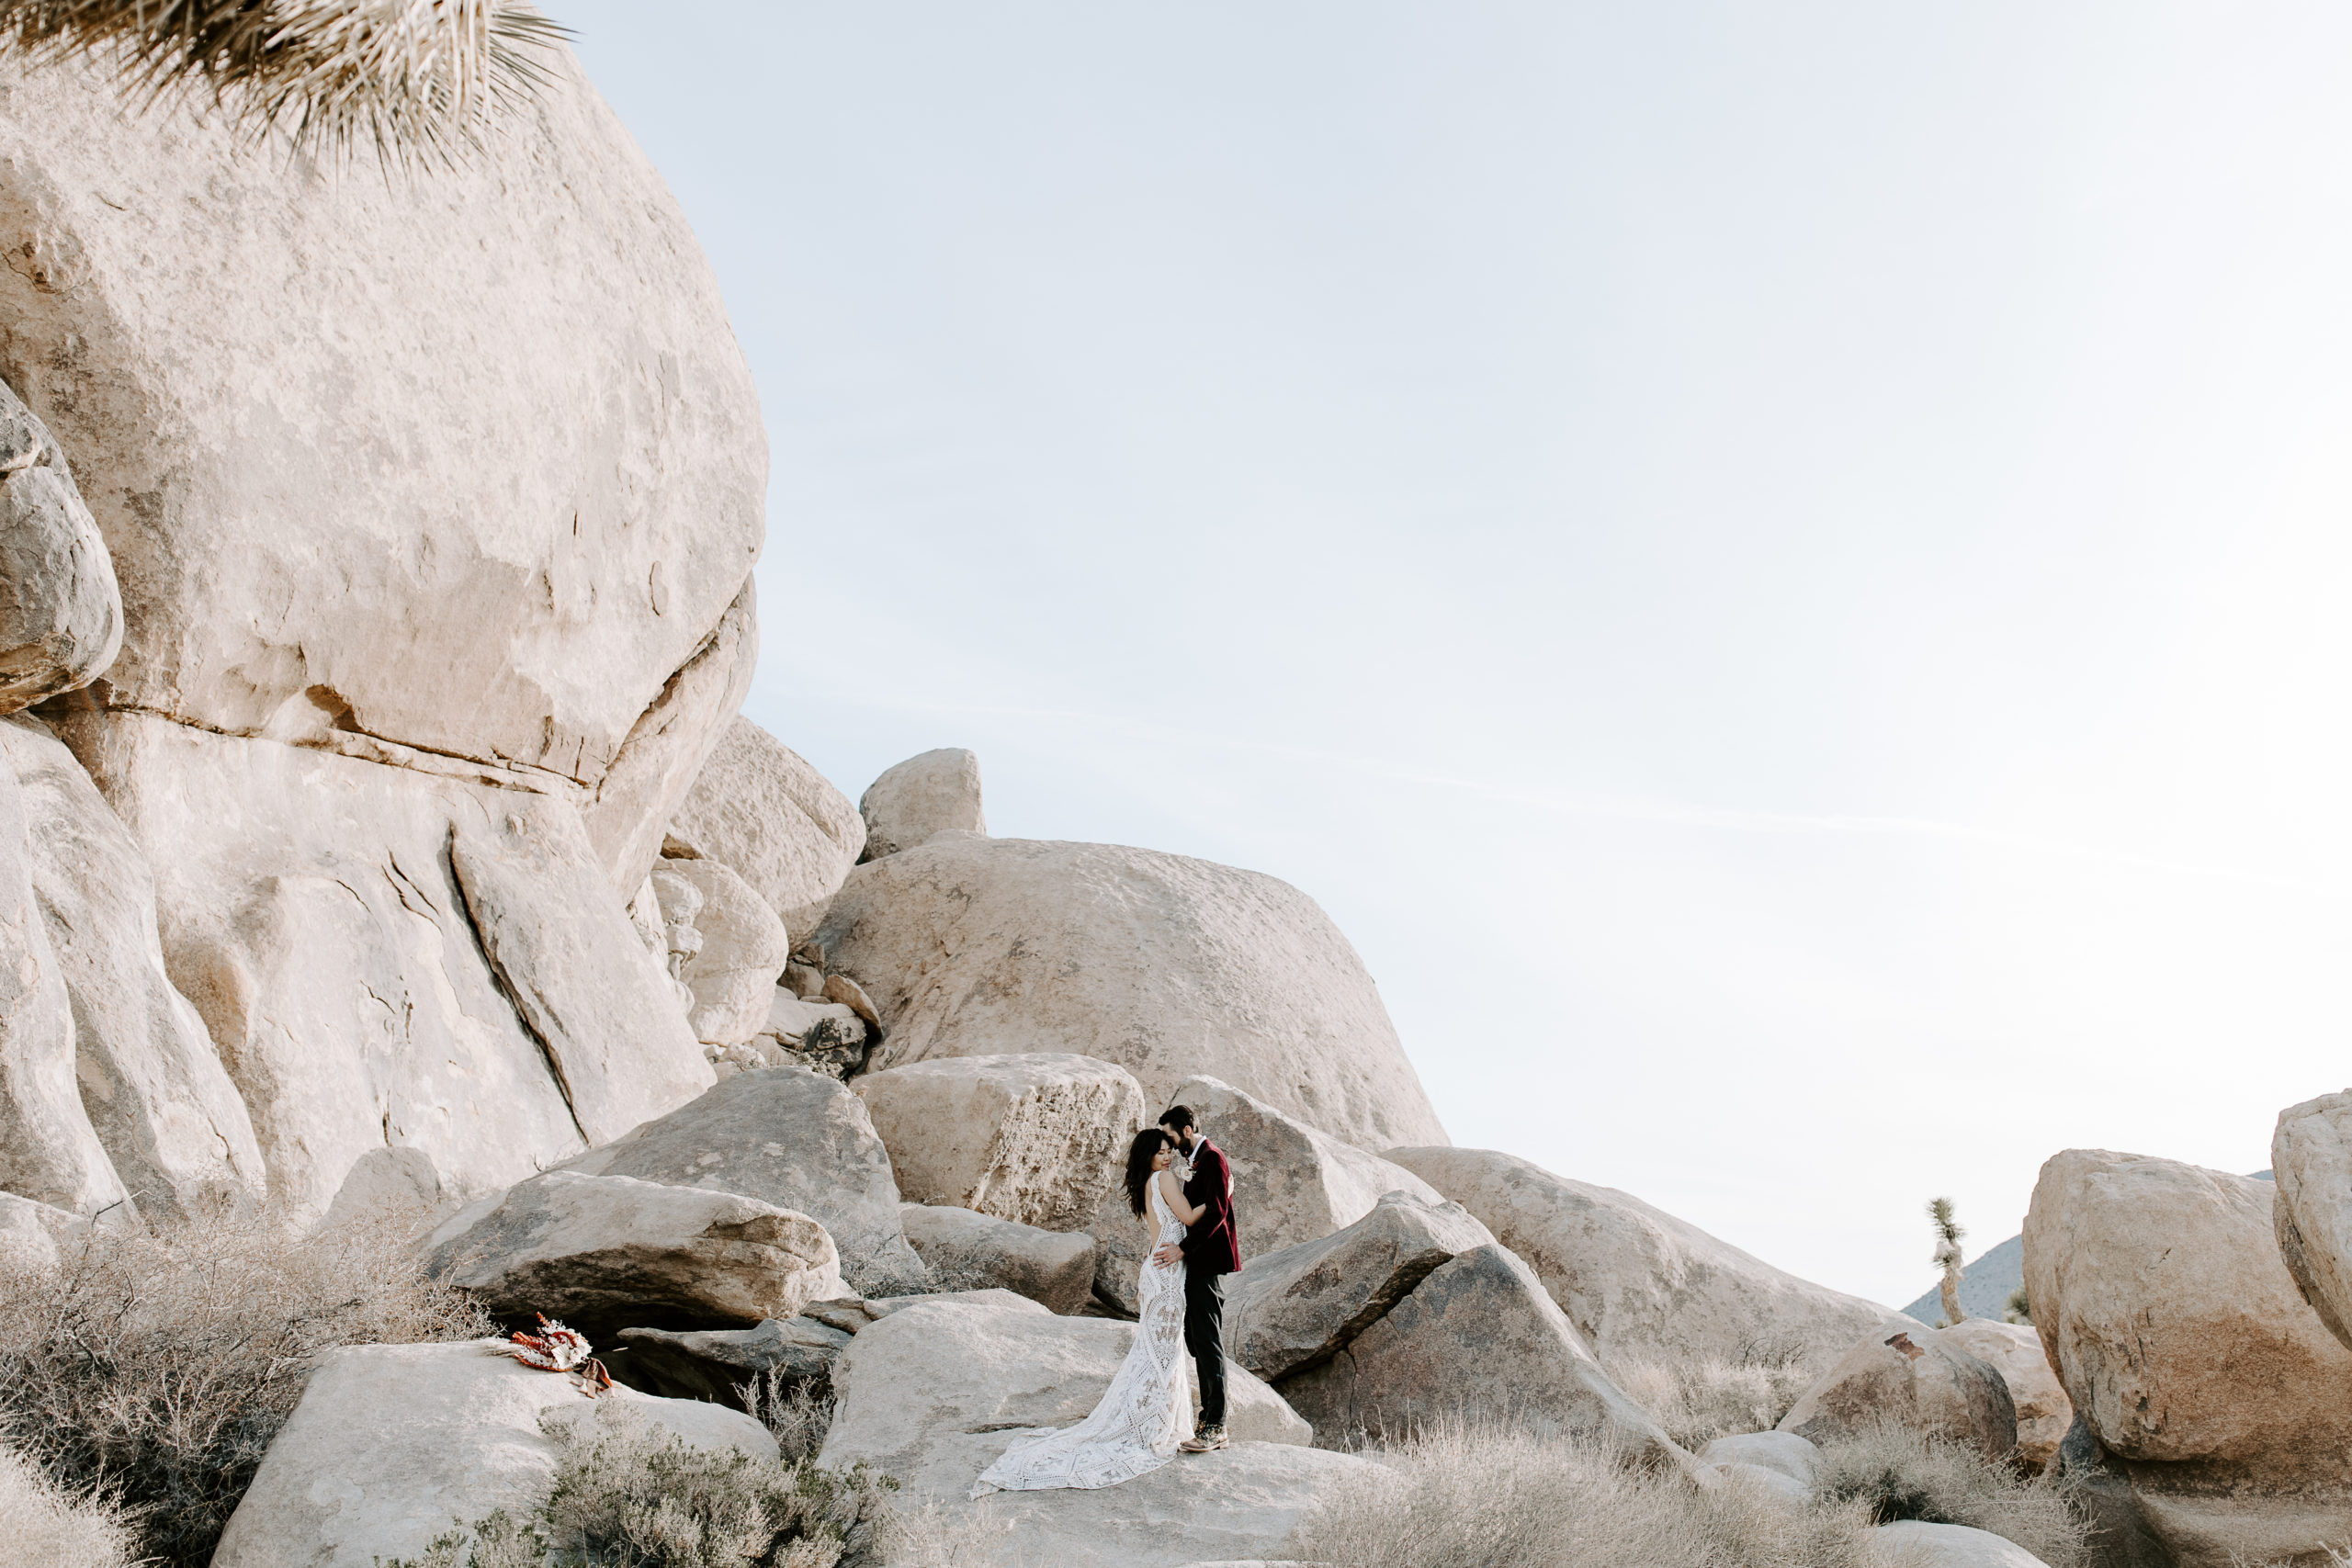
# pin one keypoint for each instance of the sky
(1781, 572)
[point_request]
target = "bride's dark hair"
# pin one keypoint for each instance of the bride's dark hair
(1147, 1144)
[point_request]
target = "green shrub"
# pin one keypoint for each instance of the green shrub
(1893, 1473)
(628, 1494)
(160, 1367)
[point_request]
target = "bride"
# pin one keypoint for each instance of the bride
(1148, 1409)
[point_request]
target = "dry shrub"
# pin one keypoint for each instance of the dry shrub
(1894, 1473)
(1463, 1496)
(160, 1367)
(1705, 1397)
(43, 1523)
(792, 1410)
(630, 1493)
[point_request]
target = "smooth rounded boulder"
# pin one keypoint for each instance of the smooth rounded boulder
(759, 808)
(2159, 1293)
(604, 1253)
(60, 612)
(1639, 1283)
(789, 1137)
(1034, 1137)
(2014, 1351)
(392, 1445)
(733, 973)
(1917, 1378)
(938, 792)
(969, 1251)
(2311, 1162)
(1168, 966)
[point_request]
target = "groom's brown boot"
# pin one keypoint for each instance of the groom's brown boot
(1209, 1441)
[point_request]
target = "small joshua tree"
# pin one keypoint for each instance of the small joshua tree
(1948, 1234)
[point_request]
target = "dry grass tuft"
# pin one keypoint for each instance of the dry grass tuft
(793, 1412)
(1460, 1496)
(160, 1367)
(1895, 1473)
(1709, 1396)
(628, 1494)
(418, 80)
(45, 1524)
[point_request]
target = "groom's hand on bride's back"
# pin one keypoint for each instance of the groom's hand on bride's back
(1167, 1256)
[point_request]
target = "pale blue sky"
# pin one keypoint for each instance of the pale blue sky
(1781, 572)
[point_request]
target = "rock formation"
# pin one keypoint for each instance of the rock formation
(60, 612)
(2014, 1351)
(2212, 1390)
(1915, 1377)
(732, 971)
(1036, 1137)
(2311, 1159)
(1169, 967)
(761, 810)
(1636, 1281)
(969, 1251)
(938, 792)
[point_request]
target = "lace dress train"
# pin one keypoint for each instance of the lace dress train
(1147, 1412)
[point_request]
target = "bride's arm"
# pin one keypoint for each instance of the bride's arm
(1189, 1213)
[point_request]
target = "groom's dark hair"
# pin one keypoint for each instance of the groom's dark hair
(1178, 1117)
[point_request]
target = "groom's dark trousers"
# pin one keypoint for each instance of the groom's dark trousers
(1211, 1252)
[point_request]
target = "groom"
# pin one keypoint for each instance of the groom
(1210, 1252)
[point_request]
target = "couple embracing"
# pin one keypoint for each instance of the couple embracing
(1181, 1186)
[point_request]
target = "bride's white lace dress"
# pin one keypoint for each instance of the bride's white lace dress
(1147, 1413)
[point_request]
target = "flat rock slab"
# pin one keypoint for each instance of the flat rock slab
(969, 1251)
(604, 1252)
(1169, 966)
(392, 1445)
(1636, 1281)
(1035, 1138)
(789, 1137)
(1293, 1309)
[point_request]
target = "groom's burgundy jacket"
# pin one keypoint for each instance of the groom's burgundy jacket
(1210, 1246)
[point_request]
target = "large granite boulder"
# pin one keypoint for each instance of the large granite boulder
(1915, 1377)
(936, 1392)
(610, 1252)
(937, 792)
(60, 612)
(789, 1137)
(1639, 1283)
(2211, 1388)
(49, 1151)
(392, 1445)
(1168, 966)
(2014, 1351)
(154, 1090)
(1296, 1308)
(386, 958)
(466, 470)
(2310, 1161)
(744, 947)
(1478, 1339)
(757, 807)
(969, 1251)
(1035, 1138)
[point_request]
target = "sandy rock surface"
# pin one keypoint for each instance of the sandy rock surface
(757, 807)
(1168, 966)
(2014, 1351)
(1289, 1309)
(604, 1253)
(938, 792)
(392, 1443)
(1636, 1281)
(1479, 1338)
(2160, 1294)
(60, 612)
(733, 974)
(971, 1251)
(1916, 1376)
(1034, 1137)
(487, 514)
(936, 1392)
(789, 1137)
(2311, 1158)
(157, 1097)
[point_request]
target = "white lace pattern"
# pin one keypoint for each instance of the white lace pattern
(1146, 1412)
